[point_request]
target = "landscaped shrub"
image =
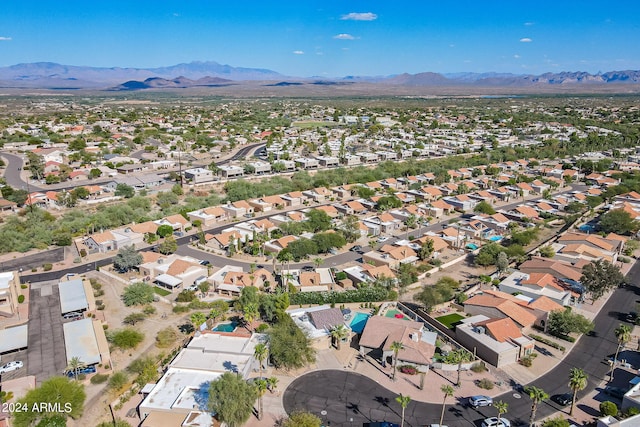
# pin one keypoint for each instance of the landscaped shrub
(99, 378)
(608, 408)
(180, 309)
(478, 367)
(547, 342)
(364, 294)
(485, 383)
(47, 267)
(262, 328)
(20, 299)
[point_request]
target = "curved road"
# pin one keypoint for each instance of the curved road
(344, 395)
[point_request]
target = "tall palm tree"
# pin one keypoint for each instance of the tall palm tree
(403, 401)
(537, 395)
(261, 386)
(457, 357)
(623, 335)
(448, 391)
(396, 346)
(74, 364)
(502, 408)
(250, 313)
(318, 262)
(260, 353)
(577, 382)
(338, 333)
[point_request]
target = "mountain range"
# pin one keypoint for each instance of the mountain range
(48, 75)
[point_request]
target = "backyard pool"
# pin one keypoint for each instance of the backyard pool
(358, 322)
(587, 228)
(472, 246)
(226, 327)
(495, 238)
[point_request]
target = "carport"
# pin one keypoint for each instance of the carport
(80, 341)
(72, 296)
(168, 281)
(13, 339)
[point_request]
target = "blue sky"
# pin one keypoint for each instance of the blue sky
(328, 38)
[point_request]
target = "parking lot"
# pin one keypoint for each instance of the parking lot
(46, 354)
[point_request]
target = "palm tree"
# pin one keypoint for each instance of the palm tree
(338, 333)
(261, 386)
(260, 353)
(197, 319)
(448, 391)
(577, 382)
(502, 408)
(623, 335)
(250, 313)
(317, 262)
(74, 364)
(272, 383)
(403, 401)
(396, 346)
(457, 357)
(537, 395)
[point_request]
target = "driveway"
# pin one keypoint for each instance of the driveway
(46, 355)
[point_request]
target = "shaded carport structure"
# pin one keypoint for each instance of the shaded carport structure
(13, 339)
(85, 340)
(168, 281)
(72, 296)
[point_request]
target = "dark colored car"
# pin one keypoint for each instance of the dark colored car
(613, 391)
(205, 262)
(308, 268)
(631, 317)
(84, 370)
(562, 399)
(356, 248)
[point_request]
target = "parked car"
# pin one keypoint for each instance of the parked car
(562, 399)
(356, 248)
(308, 268)
(382, 239)
(178, 233)
(74, 315)
(333, 251)
(613, 391)
(631, 317)
(493, 422)
(205, 262)
(84, 370)
(11, 366)
(476, 401)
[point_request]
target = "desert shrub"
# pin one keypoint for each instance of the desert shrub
(608, 408)
(478, 367)
(166, 337)
(20, 299)
(47, 267)
(485, 383)
(99, 378)
(180, 309)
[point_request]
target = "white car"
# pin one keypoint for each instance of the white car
(493, 422)
(11, 366)
(382, 239)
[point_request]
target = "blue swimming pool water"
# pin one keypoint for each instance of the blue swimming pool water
(587, 228)
(495, 238)
(358, 322)
(472, 246)
(226, 327)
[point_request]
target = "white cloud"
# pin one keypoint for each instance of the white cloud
(5, 39)
(344, 37)
(528, 24)
(516, 56)
(298, 52)
(525, 40)
(357, 16)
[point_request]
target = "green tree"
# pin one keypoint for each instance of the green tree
(127, 258)
(118, 381)
(317, 220)
(338, 333)
(260, 353)
(485, 208)
(577, 382)
(599, 277)
(564, 322)
(74, 364)
(608, 408)
(501, 408)
(426, 250)
(197, 319)
(556, 422)
(404, 402)
(261, 385)
(502, 262)
(302, 419)
(618, 221)
(290, 348)
(168, 246)
(623, 336)
(166, 337)
(250, 312)
(547, 251)
(164, 230)
(126, 338)
(232, 399)
(447, 391)
(138, 294)
(536, 395)
(388, 202)
(134, 318)
(124, 190)
(55, 392)
(395, 346)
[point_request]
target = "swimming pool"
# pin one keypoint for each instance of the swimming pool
(587, 228)
(226, 327)
(358, 322)
(495, 238)
(472, 246)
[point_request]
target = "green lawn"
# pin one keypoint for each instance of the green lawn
(449, 319)
(161, 292)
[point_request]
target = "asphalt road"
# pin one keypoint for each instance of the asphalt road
(345, 395)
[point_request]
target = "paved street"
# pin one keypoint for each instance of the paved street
(46, 354)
